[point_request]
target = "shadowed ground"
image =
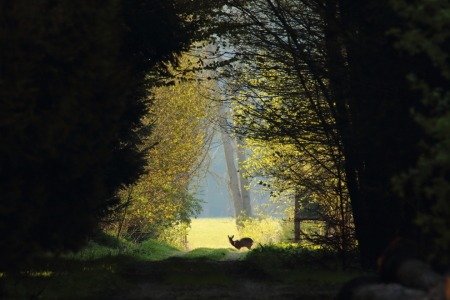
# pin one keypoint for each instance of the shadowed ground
(178, 278)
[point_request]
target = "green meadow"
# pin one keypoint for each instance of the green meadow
(211, 233)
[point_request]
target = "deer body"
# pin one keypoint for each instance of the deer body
(238, 244)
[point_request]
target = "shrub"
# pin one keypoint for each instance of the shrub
(175, 235)
(106, 239)
(295, 256)
(151, 250)
(263, 229)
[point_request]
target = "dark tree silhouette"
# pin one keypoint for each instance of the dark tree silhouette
(72, 97)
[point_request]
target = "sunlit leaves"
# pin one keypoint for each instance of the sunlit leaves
(280, 102)
(180, 129)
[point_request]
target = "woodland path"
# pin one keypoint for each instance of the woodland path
(181, 279)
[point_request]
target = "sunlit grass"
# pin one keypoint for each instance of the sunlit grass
(211, 233)
(147, 250)
(152, 250)
(39, 274)
(207, 253)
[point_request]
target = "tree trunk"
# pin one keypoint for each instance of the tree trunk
(297, 217)
(243, 182)
(379, 137)
(233, 182)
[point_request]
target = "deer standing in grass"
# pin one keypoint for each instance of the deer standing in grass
(238, 244)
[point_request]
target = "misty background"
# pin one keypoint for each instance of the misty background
(213, 189)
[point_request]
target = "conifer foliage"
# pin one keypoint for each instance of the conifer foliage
(72, 76)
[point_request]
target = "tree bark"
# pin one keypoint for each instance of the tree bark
(243, 182)
(373, 103)
(297, 217)
(233, 181)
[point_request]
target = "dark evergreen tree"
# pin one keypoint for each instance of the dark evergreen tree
(379, 133)
(72, 77)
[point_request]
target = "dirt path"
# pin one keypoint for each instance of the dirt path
(180, 279)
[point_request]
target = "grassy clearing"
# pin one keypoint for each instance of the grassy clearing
(207, 253)
(87, 274)
(290, 263)
(211, 233)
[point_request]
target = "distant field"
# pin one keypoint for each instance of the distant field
(211, 233)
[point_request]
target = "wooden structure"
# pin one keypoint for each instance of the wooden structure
(306, 212)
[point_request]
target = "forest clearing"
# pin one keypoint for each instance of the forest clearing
(155, 270)
(211, 233)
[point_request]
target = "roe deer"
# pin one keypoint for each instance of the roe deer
(244, 242)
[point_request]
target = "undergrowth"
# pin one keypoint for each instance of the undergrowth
(303, 263)
(83, 275)
(98, 268)
(207, 253)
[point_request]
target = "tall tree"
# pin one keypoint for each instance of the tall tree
(336, 55)
(236, 181)
(181, 133)
(379, 136)
(423, 34)
(233, 180)
(243, 180)
(70, 110)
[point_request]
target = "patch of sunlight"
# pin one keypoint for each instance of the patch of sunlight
(211, 233)
(39, 274)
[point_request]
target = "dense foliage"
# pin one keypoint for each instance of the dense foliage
(181, 133)
(72, 87)
(292, 256)
(332, 79)
(425, 35)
